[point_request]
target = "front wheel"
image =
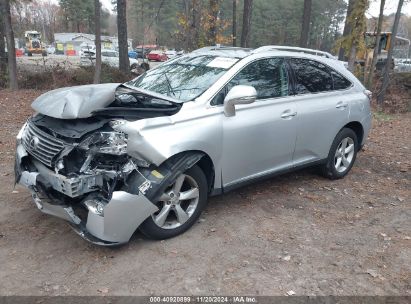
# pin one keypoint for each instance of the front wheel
(179, 206)
(342, 155)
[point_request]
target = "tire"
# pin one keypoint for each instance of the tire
(172, 226)
(339, 164)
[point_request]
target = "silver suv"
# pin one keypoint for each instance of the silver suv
(146, 154)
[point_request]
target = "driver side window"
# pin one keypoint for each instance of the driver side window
(268, 76)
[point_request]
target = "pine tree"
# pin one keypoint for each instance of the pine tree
(11, 50)
(305, 27)
(247, 13)
(124, 63)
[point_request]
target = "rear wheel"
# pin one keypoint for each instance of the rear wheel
(179, 207)
(342, 155)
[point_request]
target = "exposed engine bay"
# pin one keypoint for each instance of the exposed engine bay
(78, 161)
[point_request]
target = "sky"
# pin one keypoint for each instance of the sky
(390, 7)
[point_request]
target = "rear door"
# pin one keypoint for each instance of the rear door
(323, 104)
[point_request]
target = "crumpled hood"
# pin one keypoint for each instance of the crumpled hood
(75, 102)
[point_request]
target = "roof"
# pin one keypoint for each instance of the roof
(238, 52)
(69, 37)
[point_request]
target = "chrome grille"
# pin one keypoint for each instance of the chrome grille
(41, 145)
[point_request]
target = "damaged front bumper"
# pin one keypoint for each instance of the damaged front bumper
(112, 224)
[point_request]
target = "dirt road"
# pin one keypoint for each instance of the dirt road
(297, 232)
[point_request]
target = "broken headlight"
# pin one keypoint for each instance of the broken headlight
(114, 143)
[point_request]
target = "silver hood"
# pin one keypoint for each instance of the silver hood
(75, 102)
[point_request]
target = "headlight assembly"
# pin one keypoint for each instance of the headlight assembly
(114, 143)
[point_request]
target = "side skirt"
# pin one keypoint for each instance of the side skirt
(265, 177)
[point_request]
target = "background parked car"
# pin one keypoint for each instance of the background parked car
(138, 53)
(157, 56)
(88, 47)
(109, 57)
(402, 65)
(171, 54)
(50, 49)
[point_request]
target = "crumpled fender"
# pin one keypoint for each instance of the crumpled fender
(159, 178)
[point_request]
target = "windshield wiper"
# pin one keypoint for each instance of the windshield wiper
(170, 88)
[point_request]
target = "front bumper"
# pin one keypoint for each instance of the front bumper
(122, 214)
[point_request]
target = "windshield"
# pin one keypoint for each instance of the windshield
(184, 78)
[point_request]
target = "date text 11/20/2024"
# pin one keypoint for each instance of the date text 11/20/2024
(203, 299)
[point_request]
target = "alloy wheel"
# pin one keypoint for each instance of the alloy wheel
(178, 203)
(344, 155)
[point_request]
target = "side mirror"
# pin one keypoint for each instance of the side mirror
(240, 94)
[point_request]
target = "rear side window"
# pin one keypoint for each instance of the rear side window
(340, 82)
(311, 76)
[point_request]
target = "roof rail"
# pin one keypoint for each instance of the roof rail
(293, 49)
(222, 48)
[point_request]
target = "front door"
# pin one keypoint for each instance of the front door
(260, 138)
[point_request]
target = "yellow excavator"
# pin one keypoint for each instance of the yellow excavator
(34, 44)
(401, 45)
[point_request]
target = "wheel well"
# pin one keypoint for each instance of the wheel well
(358, 129)
(206, 164)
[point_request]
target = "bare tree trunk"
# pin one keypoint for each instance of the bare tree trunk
(305, 28)
(351, 58)
(212, 33)
(377, 46)
(234, 22)
(97, 24)
(245, 35)
(3, 58)
(387, 68)
(11, 50)
(195, 25)
(347, 28)
(122, 36)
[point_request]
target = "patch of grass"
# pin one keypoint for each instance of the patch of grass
(382, 116)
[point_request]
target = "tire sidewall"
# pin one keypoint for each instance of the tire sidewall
(330, 170)
(151, 230)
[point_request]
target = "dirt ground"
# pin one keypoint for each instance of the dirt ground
(298, 232)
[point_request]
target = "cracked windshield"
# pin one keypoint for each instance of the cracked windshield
(185, 78)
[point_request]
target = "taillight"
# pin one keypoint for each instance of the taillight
(368, 93)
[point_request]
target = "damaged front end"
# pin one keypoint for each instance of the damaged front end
(80, 170)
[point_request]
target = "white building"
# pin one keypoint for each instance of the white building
(75, 40)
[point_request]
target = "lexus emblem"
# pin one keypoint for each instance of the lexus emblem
(34, 143)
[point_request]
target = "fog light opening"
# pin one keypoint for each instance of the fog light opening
(95, 207)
